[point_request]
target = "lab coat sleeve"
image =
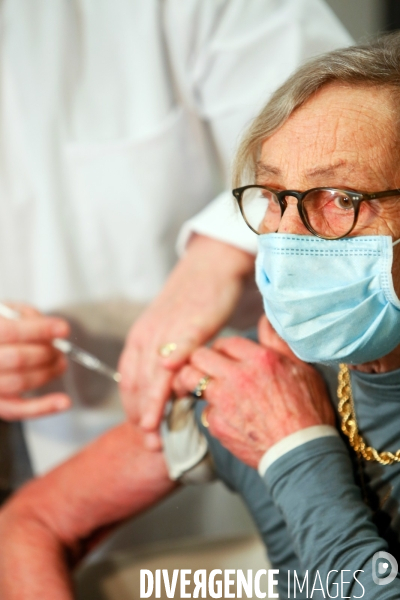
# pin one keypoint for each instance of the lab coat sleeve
(221, 220)
(228, 57)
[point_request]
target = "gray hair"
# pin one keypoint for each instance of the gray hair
(376, 64)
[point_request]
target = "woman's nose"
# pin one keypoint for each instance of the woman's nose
(290, 220)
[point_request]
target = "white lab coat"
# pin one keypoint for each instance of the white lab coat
(118, 121)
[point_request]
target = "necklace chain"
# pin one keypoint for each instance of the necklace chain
(349, 423)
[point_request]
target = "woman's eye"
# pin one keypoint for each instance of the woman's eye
(343, 202)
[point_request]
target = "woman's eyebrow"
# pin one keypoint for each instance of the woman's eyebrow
(263, 169)
(266, 170)
(329, 169)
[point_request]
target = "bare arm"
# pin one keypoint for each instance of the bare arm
(51, 519)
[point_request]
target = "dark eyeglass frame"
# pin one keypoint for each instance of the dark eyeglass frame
(355, 197)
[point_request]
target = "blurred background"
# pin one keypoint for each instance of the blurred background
(364, 18)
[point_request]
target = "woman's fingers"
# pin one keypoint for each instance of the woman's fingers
(186, 381)
(18, 409)
(242, 349)
(211, 362)
(238, 348)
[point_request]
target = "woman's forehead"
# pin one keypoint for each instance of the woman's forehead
(340, 130)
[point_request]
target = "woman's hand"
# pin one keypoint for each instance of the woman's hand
(198, 298)
(258, 393)
(27, 361)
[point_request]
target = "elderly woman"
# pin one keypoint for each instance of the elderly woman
(323, 163)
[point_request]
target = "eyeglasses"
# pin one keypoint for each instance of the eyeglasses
(327, 213)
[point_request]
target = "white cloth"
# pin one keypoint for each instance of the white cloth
(185, 446)
(221, 220)
(118, 121)
(294, 441)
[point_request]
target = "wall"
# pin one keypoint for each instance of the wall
(362, 18)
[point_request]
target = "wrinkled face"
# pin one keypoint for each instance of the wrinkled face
(343, 137)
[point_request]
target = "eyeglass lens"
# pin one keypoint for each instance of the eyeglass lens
(330, 213)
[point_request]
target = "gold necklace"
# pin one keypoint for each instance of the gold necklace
(349, 423)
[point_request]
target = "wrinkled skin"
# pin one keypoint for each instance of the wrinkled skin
(258, 393)
(342, 137)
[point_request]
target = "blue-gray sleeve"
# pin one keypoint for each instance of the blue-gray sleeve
(330, 525)
(268, 519)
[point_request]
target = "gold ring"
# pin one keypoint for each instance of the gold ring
(201, 386)
(167, 349)
(203, 418)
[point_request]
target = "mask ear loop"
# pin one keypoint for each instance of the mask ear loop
(391, 293)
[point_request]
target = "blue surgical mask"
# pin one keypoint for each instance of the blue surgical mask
(330, 300)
